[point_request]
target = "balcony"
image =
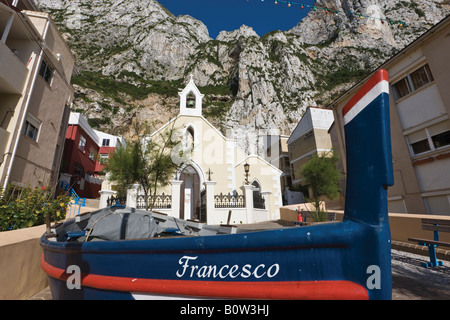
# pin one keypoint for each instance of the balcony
(13, 72)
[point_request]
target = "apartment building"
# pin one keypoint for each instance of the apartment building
(309, 137)
(35, 95)
(86, 151)
(419, 77)
(107, 144)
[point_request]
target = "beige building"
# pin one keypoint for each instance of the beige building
(309, 137)
(211, 182)
(35, 95)
(420, 125)
(276, 152)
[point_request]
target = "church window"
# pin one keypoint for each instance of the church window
(190, 131)
(190, 137)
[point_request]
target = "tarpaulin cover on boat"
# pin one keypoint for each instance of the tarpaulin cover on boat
(122, 224)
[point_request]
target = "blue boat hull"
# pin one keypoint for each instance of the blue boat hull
(304, 263)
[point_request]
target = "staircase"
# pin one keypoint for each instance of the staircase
(77, 200)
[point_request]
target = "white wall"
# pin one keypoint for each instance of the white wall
(434, 175)
(423, 105)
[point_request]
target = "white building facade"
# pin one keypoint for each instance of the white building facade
(212, 185)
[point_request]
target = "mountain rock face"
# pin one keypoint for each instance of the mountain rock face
(134, 56)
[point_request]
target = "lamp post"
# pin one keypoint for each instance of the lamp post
(246, 169)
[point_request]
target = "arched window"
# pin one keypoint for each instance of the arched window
(189, 138)
(190, 132)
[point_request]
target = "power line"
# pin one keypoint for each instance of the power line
(341, 12)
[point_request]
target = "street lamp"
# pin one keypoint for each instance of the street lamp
(246, 169)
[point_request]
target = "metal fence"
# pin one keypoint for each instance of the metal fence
(162, 201)
(229, 201)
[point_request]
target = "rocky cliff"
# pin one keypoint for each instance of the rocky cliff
(134, 56)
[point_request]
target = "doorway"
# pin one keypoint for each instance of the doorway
(190, 194)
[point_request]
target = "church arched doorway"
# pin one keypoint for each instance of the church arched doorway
(190, 194)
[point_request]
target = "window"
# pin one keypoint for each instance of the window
(440, 134)
(420, 146)
(442, 139)
(92, 154)
(30, 131)
(412, 81)
(431, 138)
(105, 143)
(401, 88)
(189, 139)
(104, 158)
(46, 71)
(421, 77)
(31, 127)
(82, 143)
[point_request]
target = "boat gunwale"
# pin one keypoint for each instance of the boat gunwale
(296, 236)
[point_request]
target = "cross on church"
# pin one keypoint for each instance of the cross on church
(209, 172)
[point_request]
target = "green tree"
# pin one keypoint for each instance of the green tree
(146, 160)
(321, 175)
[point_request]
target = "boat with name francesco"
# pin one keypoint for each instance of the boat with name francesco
(126, 253)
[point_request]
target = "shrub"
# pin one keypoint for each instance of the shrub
(27, 207)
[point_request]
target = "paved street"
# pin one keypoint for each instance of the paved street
(411, 281)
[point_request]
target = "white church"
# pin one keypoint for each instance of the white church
(219, 183)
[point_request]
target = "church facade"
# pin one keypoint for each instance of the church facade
(216, 182)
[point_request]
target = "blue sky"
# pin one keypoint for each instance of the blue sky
(262, 15)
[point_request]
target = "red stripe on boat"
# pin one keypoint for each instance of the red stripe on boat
(306, 290)
(380, 76)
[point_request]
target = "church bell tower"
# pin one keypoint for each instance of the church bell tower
(191, 100)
